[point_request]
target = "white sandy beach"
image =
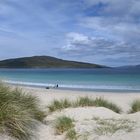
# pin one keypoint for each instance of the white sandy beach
(85, 124)
(124, 100)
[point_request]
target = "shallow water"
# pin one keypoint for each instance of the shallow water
(113, 79)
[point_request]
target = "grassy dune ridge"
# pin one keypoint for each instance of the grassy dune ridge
(82, 102)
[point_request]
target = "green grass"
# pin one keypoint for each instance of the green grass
(82, 102)
(19, 113)
(71, 134)
(104, 103)
(98, 102)
(111, 126)
(135, 107)
(63, 124)
(59, 105)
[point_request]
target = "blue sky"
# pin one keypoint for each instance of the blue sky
(97, 31)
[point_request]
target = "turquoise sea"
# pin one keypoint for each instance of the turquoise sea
(105, 79)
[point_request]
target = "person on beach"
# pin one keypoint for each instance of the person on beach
(56, 86)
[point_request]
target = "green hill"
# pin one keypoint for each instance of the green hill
(44, 62)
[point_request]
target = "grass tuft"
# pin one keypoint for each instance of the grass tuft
(84, 101)
(71, 134)
(111, 126)
(59, 105)
(19, 113)
(63, 124)
(135, 107)
(81, 102)
(104, 103)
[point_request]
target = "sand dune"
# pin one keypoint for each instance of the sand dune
(90, 123)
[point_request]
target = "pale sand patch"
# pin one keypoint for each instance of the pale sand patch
(84, 117)
(83, 113)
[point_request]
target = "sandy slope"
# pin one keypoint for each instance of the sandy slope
(85, 122)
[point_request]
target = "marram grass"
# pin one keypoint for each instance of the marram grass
(71, 134)
(111, 126)
(63, 124)
(135, 106)
(19, 113)
(58, 105)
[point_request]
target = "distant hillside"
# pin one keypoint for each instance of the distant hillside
(44, 62)
(130, 67)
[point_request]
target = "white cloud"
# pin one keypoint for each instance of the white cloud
(78, 38)
(80, 42)
(99, 50)
(77, 41)
(118, 17)
(81, 45)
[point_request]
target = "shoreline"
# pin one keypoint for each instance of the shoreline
(51, 86)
